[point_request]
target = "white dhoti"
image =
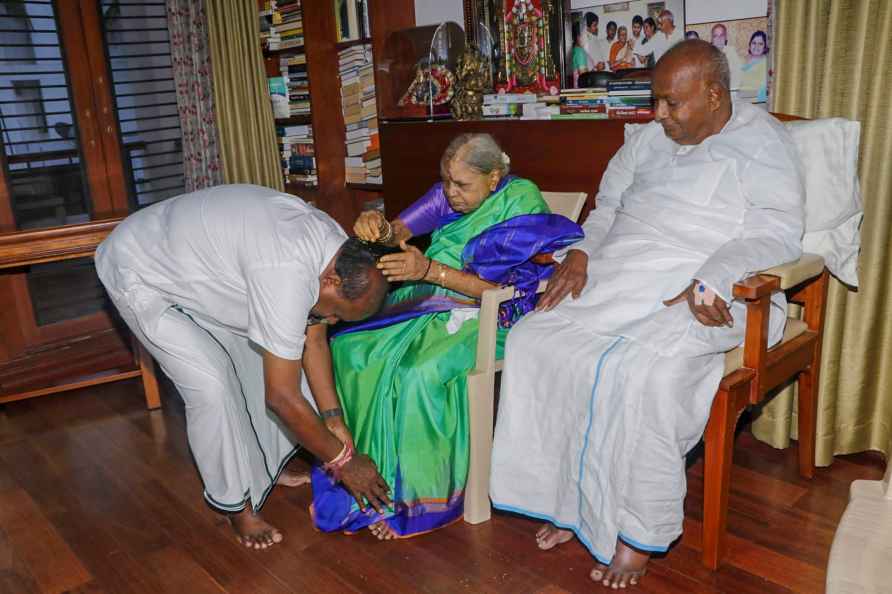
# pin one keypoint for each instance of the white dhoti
(239, 446)
(605, 432)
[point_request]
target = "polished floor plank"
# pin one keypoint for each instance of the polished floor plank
(34, 543)
(111, 491)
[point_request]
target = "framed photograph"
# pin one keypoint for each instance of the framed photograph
(528, 40)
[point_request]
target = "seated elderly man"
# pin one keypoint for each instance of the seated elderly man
(604, 394)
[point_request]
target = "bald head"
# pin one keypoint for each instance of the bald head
(690, 90)
(701, 57)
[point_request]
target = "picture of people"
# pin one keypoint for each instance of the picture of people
(745, 44)
(624, 35)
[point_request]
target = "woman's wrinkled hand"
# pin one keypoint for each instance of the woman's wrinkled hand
(371, 226)
(408, 265)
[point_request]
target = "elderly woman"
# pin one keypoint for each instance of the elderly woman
(402, 375)
(621, 55)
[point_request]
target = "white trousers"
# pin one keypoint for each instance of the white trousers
(239, 446)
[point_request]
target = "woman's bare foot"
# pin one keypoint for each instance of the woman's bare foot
(627, 567)
(550, 536)
(382, 531)
(252, 531)
(288, 478)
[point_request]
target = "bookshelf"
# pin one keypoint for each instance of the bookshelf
(321, 46)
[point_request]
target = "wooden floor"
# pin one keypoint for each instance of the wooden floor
(97, 495)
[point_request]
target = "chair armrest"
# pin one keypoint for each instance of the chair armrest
(489, 326)
(795, 273)
(756, 287)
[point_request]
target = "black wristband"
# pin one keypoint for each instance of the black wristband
(429, 262)
(332, 412)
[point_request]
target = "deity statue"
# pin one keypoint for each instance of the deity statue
(527, 63)
(432, 85)
(472, 82)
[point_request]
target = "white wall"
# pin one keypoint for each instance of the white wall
(433, 12)
(710, 11)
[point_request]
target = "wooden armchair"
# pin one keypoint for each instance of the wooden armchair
(751, 372)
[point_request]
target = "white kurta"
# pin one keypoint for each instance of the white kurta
(596, 49)
(205, 281)
(602, 397)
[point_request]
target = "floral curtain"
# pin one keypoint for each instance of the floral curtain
(191, 61)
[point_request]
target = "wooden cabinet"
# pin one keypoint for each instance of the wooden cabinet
(560, 156)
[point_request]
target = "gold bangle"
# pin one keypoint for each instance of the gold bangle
(441, 279)
(388, 235)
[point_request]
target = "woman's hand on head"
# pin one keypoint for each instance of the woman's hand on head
(370, 226)
(408, 265)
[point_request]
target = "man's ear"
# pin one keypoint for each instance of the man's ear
(714, 96)
(330, 279)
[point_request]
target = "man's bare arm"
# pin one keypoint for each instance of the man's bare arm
(282, 380)
(283, 397)
(317, 366)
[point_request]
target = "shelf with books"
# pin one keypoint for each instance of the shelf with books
(322, 124)
(362, 164)
(366, 187)
(352, 22)
(281, 25)
(350, 43)
(298, 120)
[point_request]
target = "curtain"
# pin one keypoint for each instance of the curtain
(248, 142)
(191, 64)
(834, 58)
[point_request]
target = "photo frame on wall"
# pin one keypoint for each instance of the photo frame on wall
(740, 28)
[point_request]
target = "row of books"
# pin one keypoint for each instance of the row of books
(352, 19)
(281, 24)
(290, 92)
(298, 154)
(618, 100)
(359, 106)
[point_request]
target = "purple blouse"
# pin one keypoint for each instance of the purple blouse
(432, 211)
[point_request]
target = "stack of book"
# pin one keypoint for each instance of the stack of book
(579, 104)
(359, 105)
(290, 27)
(506, 105)
(269, 17)
(629, 99)
(352, 19)
(294, 69)
(298, 155)
(281, 24)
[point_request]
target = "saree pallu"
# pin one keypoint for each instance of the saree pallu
(403, 389)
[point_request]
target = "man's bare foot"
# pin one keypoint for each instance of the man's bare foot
(382, 531)
(550, 536)
(252, 531)
(627, 567)
(288, 478)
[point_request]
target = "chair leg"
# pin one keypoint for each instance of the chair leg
(481, 400)
(149, 380)
(718, 454)
(808, 418)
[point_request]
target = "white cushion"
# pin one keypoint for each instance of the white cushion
(828, 149)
